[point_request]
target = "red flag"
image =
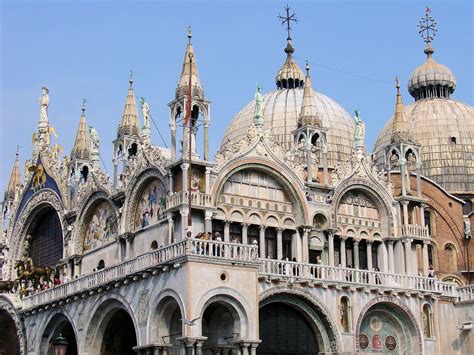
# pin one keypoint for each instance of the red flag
(188, 100)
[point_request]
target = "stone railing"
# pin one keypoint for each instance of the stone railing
(198, 199)
(466, 293)
(328, 274)
(143, 263)
(414, 230)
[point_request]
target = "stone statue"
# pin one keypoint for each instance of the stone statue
(359, 130)
(44, 103)
(145, 112)
(95, 142)
(259, 107)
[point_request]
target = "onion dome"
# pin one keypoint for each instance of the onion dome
(189, 60)
(443, 127)
(290, 75)
(82, 144)
(129, 124)
(431, 79)
(15, 179)
(309, 115)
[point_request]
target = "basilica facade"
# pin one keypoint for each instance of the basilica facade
(293, 239)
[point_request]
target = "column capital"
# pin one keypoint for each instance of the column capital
(244, 224)
(426, 242)
(227, 223)
(407, 241)
(357, 240)
(344, 238)
(208, 214)
(208, 169)
(185, 166)
(263, 227)
(404, 202)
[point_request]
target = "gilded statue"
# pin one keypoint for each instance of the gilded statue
(39, 176)
(359, 134)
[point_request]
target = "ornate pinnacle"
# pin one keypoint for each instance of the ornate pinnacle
(130, 79)
(83, 108)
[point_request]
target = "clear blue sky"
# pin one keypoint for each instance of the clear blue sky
(87, 48)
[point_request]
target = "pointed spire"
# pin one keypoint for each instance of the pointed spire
(15, 178)
(82, 145)
(400, 131)
(189, 60)
(129, 124)
(309, 115)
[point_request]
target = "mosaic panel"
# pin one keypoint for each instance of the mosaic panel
(150, 205)
(101, 226)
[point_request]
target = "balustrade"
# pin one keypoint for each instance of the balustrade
(198, 199)
(466, 293)
(415, 230)
(278, 268)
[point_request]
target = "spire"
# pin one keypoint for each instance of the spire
(289, 76)
(129, 124)
(400, 131)
(309, 115)
(15, 178)
(189, 60)
(82, 145)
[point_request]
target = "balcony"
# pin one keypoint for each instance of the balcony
(162, 259)
(299, 272)
(198, 199)
(466, 293)
(414, 231)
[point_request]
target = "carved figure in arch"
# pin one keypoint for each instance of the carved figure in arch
(101, 227)
(150, 205)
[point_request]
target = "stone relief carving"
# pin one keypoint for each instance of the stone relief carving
(31, 337)
(360, 166)
(143, 308)
(259, 143)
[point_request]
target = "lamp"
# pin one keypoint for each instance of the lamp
(60, 345)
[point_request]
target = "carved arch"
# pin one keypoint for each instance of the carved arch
(9, 308)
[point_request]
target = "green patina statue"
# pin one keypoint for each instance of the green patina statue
(359, 134)
(259, 107)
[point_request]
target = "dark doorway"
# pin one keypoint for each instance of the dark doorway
(119, 335)
(66, 331)
(285, 331)
(47, 238)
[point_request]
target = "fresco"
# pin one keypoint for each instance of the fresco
(150, 205)
(101, 227)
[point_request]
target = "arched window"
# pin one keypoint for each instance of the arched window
(427, 318)
(451, 258)
(345, 314)
(154, 245)
(101, 265)
(430, 222)
(46, 238)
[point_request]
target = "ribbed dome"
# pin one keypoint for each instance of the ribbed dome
(431, 79)
(281, 112)
(445, 130)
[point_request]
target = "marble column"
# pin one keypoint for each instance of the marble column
(356, 253)
(403, 176)
(206, 139)
(299, 247)
(208, 222)
(208, 179)
(369, 255)
(309, 162)
(391, 262)
(343, 251)
(405, 212)
(305, 246)
(227, 232)
(171, 180)
(325, 164)
(408, 257)
(262, 243)
(425, 257)
(184, 168)
(170, 228)
(418, 179)
(245, 228)
(279, 244)
(184, 222)
(331, 249)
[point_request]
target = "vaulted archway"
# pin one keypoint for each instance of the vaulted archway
(58, 325)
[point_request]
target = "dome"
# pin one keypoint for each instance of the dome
(445, 130)
(281, 113)
(431, 79)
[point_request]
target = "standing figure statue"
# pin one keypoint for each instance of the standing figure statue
(145, 112)
(359, 134)
(95, 143)
(44, 103)
(259, 107)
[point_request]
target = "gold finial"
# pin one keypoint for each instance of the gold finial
(307, 68)
(428, 29)
(83, 108)
(397, 85)
(190, 34)
(130, 80)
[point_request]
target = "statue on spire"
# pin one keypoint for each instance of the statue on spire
(259, 107)
(146, 129)
(359, 135)
(44, 103)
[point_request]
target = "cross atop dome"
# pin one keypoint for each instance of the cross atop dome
(428, 30)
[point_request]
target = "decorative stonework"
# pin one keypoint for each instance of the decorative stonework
(6, 305)
(261, 144)
(97, 181)
(143, 308)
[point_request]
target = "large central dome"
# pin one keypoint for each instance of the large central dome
(281, 112)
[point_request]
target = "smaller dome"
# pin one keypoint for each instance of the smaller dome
(431, 79)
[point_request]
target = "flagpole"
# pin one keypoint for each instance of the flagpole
(188, 113)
